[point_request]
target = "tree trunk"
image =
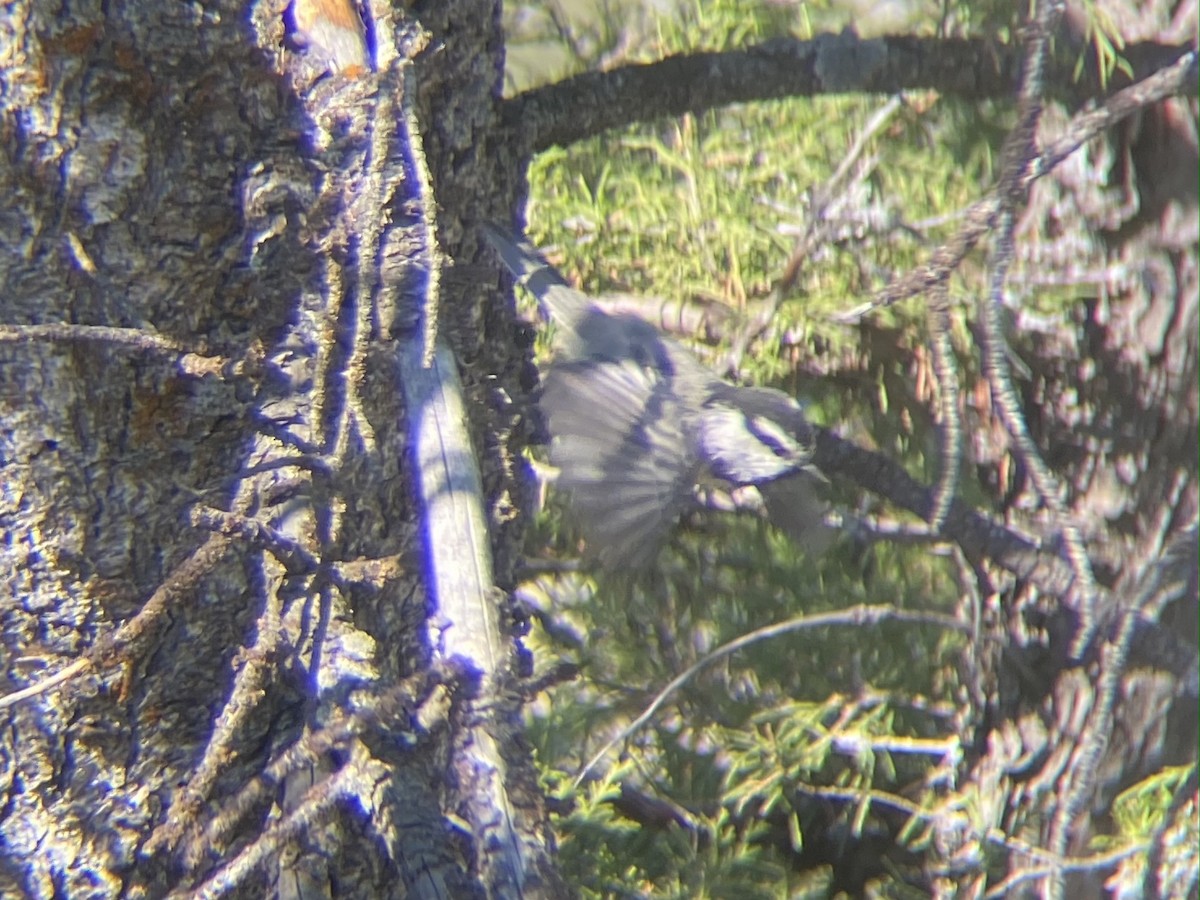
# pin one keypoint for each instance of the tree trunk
(210, 510)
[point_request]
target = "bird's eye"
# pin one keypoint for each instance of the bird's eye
(774, 436)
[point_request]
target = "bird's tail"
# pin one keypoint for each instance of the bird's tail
(558, 300)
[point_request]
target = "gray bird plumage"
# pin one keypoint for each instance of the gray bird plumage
(636, 421)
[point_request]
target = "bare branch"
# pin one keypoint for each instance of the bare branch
(588, 104)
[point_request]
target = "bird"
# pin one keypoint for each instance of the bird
(638, 424)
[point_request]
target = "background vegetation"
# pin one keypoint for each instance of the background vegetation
(815, 761)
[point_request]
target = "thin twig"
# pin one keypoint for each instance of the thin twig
(994, 835)
(354, 779)
(815, 231)
(978, 217)
(1008, 405)
(294, 556)
(394, 711)
(856, 616)
(252, 666)
(950, 429)
(435, 259)
(1166, 576)
(110, 649)
(132, 340)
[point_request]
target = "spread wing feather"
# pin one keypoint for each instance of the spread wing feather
(620, 443)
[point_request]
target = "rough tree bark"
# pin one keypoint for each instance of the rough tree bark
(227, 478)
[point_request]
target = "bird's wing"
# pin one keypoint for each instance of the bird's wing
(621, 443)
